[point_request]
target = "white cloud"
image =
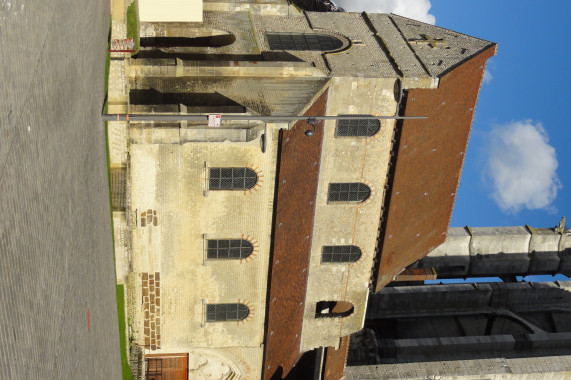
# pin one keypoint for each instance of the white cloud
(415, 9)
(522, 167)
(487, 76)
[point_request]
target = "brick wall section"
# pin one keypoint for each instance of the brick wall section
(152, 310)
(335, 360)
(428, 166)
(300, 157)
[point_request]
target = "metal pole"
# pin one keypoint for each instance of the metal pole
(204, 118)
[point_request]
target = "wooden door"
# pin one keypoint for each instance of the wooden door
(166, 367)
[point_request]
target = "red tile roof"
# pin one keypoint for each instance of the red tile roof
(335, 360)
(428, 166)
(416, 274)
(299, 160)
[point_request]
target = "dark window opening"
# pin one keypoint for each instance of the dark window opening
(229, 249)
(333, 309)
(348, 192)
(340, 254)
(226, 312)
(303, 41)
(232, 179)
(357, 127)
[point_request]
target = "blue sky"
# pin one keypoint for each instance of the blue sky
(516, 170)
(529, 85)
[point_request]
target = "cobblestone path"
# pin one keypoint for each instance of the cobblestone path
(58, 315)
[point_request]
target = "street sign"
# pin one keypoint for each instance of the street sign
(214, 121)
(123, 45)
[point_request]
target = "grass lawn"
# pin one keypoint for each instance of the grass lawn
(120, 289)
(122, 332)
(132, 27)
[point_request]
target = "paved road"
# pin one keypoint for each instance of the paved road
(56, 260)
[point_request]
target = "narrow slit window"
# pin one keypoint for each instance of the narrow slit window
(357, 127)
(228, 249)
(303, 41)
(232, 179)
(226, 312)
(340, 254)
(348, 192)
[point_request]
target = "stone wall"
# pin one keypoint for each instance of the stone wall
(481, 251)
(348, 159)
(171, 181)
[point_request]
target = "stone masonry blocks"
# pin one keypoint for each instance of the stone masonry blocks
(152, 310)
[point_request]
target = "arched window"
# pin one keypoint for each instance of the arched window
(303, 41)
(333, 309)
(226, 312)
(340, 254)
(348, 192)
(357, 127)
(232, 179)
(229, 249)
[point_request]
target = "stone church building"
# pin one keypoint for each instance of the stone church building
(261, 238)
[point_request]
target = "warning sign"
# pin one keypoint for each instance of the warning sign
(214, 121)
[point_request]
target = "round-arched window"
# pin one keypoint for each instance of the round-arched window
(220, 312)
(228, 249)
(357, 127)
(340, 253)
(303, 41)
(333, 309)
(232, 179)
(348, 192)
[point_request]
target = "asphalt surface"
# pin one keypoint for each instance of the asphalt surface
(58, 314)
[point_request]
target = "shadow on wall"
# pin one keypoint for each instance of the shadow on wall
(194, 100)
(334, 309)
(207, 41)
(183, 54)
(503, 264)
(304, 369)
